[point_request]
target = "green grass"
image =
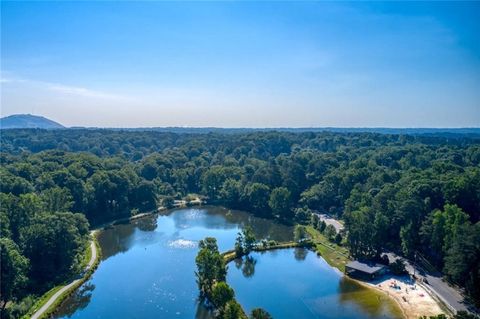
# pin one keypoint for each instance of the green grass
(86, 257)
(51, 310)
(41, 301)
(45, 297)
(230, 255)
(335, 255)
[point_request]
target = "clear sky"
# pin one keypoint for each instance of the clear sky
(243, 64)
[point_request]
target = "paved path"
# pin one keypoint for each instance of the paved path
(331, 221)
(449, 295)
(53, 298)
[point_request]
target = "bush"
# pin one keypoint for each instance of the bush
(330, 232)
(259, 313)
(338, 238)
(168, 202)
(18, 309)
(303, 215)
(232, 310)
(321, 226)
(314, 220)
(134, 212)
(272, 242)
(384, 260)
(264, 243)
(398, 267)
(300, 233)
(222, 293)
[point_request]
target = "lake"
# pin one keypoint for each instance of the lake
(147, 271)
(296, 283)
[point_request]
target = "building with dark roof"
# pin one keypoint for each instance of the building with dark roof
(364, 270)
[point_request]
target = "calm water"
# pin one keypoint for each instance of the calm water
(147, 271)
(295, 283)
(147, 268)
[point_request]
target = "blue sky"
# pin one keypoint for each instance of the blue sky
(243, 64)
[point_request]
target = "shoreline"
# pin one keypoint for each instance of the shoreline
(385, 293)
(419, 303)
(428, 306)
(51, 305)
(229, 255)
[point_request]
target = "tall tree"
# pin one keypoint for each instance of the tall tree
(14, 271)
(280, 202)
(211, 266)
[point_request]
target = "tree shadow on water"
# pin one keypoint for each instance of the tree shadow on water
(247, 265)
(77, 301)
(248, 268)
(300, 254)
(203, 311)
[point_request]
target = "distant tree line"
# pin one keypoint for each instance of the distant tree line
(416, 195)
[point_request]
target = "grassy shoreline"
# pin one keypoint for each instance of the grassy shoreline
(51, 310)
(231, 255)
(45, 297)
(335, 255)
(41, 301)
(84, 262)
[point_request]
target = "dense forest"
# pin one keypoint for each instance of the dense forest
(415, 195)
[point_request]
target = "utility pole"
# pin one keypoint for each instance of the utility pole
(414, 263)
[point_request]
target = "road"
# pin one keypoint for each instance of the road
(433, 282)
(449, 295)
(53, 298)
(331, 221)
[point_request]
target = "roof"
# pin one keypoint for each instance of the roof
(369, 268)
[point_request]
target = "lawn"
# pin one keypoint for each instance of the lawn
(335, 255)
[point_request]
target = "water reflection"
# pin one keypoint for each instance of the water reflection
(307, 287)
(115, 240)
(148, 265)
(369, 300)
(146, 224)
(203, 312)
(120, 238)
(247, 265)
(147, 268)
(300, 253)
(80, 299)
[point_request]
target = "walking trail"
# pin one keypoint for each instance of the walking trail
(53, 298)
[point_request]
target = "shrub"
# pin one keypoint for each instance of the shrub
(259, 313)
(221, 294)
(398, 267)
(338, 238)
(330, 232)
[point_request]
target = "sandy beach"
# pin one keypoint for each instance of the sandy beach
(413, 299)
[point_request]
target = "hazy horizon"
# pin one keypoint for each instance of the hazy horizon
(243, 64)
(261, 127)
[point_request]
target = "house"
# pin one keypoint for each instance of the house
(364, 270)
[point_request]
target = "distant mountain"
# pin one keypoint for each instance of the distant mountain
(28, 121)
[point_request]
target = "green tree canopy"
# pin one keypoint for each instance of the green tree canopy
(14, 271)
